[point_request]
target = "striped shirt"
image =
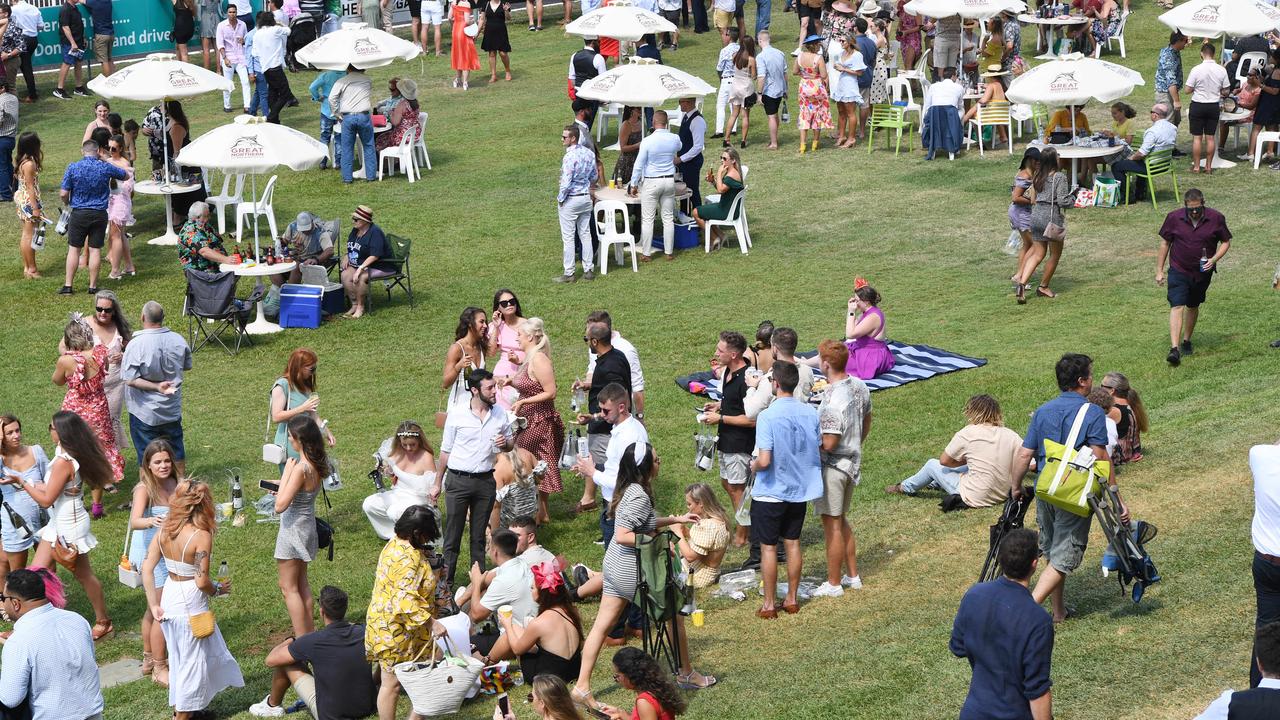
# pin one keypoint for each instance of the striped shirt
(50, 659)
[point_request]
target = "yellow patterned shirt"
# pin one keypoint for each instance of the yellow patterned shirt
(398, 624)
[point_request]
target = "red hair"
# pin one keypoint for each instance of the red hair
(301, 359)
(834, 352)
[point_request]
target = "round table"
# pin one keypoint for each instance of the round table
(1223, 118)
(621, 195)
(168, 190)
(1075, 153)
(1053, 23)
(261, 326)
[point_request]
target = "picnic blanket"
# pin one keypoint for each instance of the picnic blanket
(911, 363)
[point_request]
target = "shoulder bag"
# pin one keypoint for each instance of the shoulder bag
(271, 452)
(202, 623)
(324, 529)
(1070, 476)
(1055, 230)
(130, 576)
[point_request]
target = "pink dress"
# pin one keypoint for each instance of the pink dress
(545, 434)
(120, 207)
(87, 398)
(868, 357)
(507, 343)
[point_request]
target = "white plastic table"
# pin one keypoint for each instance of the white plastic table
(261, 326)
(1225, 117)
(621, 195)
(1053, 23)
(1075, 153)
(168, 190)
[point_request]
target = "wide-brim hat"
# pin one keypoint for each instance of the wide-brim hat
(842, 7)
(815, 38)
(869, 8)
(363, 212)
(995, 71)
(408, 89)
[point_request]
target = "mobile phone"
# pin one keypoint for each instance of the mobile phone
(597, 713)
(269, 486)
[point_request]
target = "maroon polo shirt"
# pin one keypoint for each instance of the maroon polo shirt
(1187, 241)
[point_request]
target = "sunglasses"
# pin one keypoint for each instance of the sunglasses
(113, 148)
(508, 303)
(586, 339)
(564, 137)
(1108, 388)
(105, 310)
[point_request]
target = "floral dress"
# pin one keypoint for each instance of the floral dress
(908, 30)
(545, 433)
(87, 398)
(408, 125)
(398, 624)
(27, 198)
(815, 107)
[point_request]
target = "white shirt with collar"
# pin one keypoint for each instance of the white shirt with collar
(1207, 81)
(1264, 462)
(944, 92)
(625, 347)
(28, 18)
(623, 435)
(269, 46)
(724, 62)
(1217, 709)
(468, 438)
(50, 660)
(512, 585)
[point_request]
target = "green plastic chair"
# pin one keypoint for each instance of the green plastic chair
(888, 117)
(400, 276)
(1157, 163)
(1040, 118)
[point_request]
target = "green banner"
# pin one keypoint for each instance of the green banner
(140, 26)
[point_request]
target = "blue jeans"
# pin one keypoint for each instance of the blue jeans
(935, 474)
(259, 101)
(763, 9)
(331, 22)
(142, 434)
(6, 167)
(359, 124)
(326, 134)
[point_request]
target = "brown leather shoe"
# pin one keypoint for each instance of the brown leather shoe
(615, 642)
(791, 609)
(766, 614)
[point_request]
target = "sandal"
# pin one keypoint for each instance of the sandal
(97, 512)
(103, 629)
(583, 699)
(766, 614)
(148, 663)
(1044, 292)
(160, 672)
(687, 682)
(791, 609)
(111, 488)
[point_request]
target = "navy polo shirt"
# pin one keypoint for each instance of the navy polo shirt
(1008, 640)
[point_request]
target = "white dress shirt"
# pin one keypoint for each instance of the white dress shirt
(1207, 81)
(1264, 461)
(50, 659)
(1217, 710)
(269, 46)
(656, 157)
(625, 347)
(944, 92)
(351, 93)
(698, 130)
(623, 435)
(468, 438)
(28, 18)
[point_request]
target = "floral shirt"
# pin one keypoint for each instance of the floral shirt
(12, 39)
(398, 623)
(155, 121)
(577, 172)
(194, 236)
(1012, 34)
(1168, 69)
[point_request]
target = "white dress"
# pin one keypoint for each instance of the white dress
(458, 393)
(199, 668)
(68, 520)
(113, 386)
(385, 508)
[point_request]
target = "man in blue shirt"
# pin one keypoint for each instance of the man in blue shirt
(1063, 535)
(653, 178)
(788, 475)
(867, 48)
(1007, 639)
(320, 89)
(573, 203)
(771, 76)
(86, 187)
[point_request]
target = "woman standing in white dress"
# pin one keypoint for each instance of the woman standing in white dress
(77, 461)
(412, 462)
(465, 354)
(199, 668)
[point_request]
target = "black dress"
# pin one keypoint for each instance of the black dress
(495, 30)
(184, 23)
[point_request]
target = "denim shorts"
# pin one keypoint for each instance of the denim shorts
(142, 434)
(70, 57)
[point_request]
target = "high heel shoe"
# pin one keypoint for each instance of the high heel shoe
(584, 699)
(725, 143)
(148, 663)
(743, 145)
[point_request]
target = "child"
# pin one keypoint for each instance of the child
(1103, 399)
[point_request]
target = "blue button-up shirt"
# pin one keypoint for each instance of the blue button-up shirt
(1053, 420)
(155, 354)
(50, 659)
(657, 156)
(250, 60)
(320, 88)
(577, 172)
(788, 429)
(771, 64)
(1168, 69)
(1162, 135)
(89, 182)
(1008, 640)
(724, 63)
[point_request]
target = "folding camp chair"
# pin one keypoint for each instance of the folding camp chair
(1015, 511)
(398, 277)
(211, 309)
(661, 594)
(1127, 544)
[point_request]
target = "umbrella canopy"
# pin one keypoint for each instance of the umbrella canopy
(1215, 18)
(1073, 80)
(620, 20)
(976, 9)
(644, 83)
(159, 76)
(252, 145)
(355, 43)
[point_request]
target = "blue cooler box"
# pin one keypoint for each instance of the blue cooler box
(300, 306)
(687, 236)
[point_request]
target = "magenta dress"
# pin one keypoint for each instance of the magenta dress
(868, 357)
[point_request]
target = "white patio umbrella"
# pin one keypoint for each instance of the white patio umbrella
(644, 83)
(1073, 80)
(965, 9)
(251, 145)
(1215, 18)
(620, 20)
(161, 76)
(355, 43)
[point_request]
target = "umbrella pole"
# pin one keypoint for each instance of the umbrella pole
(164, 138)
(257, 250)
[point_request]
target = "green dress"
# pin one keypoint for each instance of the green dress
(293, 399)
(719, 210)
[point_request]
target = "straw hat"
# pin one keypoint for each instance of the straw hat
(363, 212)
(843, 7)
(869, 8)
(995, 71)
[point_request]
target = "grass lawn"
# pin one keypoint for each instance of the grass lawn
(927, 235)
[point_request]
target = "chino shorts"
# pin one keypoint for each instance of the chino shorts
(774, 521)
(837, 492)
(735, 468)
(1186, 290)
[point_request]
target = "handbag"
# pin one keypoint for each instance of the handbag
(1055, 230)
(130, 576)
(65, 555)
(438, 686)
(271, 452)
(324, 529)
(1070, 476)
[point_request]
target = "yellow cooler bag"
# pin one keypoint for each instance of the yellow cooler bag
(1070, 476)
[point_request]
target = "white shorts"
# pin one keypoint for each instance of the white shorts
(432, 12)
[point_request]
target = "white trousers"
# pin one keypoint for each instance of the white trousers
(657, 193)
(722, 104)
(575, 217)
(228, 71)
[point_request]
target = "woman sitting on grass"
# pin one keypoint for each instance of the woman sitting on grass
(703, 543)
(657, 698)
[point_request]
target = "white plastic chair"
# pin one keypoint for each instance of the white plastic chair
(1118, 37)
(993, 115)
(900, 91)
(225, 198)
(401, 154)
(1249, 61)
(1263, 137)
(262, 206)
(737, 218)
(611, 233)
(420, 145)
(1021, 113)
(603, 115)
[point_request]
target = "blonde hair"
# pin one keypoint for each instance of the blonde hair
(191, 503)
(705, 496)
(77, 335)
(983, 410)
(536, 330)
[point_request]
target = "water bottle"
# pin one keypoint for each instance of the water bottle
(237, 497)
(224, 575)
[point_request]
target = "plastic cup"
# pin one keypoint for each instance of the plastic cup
(699, 618)
(505, 611)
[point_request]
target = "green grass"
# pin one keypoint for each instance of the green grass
(926, 235)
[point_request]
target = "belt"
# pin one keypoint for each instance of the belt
(1274, 560)
(578, 194)
(464, 473)
(658, 177)
(358, 112)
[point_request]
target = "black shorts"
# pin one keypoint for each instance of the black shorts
(1187, 289)
(774, 521)
(88, 225)
(1203, 118)
(737, 8)
(771, 104)
(804, 11)
(415, 9)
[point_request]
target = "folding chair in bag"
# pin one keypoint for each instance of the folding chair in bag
(399, 277)
(212, 297)
(1011, 518)
(1126, 553)
(660, 595)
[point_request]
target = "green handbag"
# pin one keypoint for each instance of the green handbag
(1070, 476)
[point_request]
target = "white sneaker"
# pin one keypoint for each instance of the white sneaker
(853, 583)
(826, 589)
(266, 709)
